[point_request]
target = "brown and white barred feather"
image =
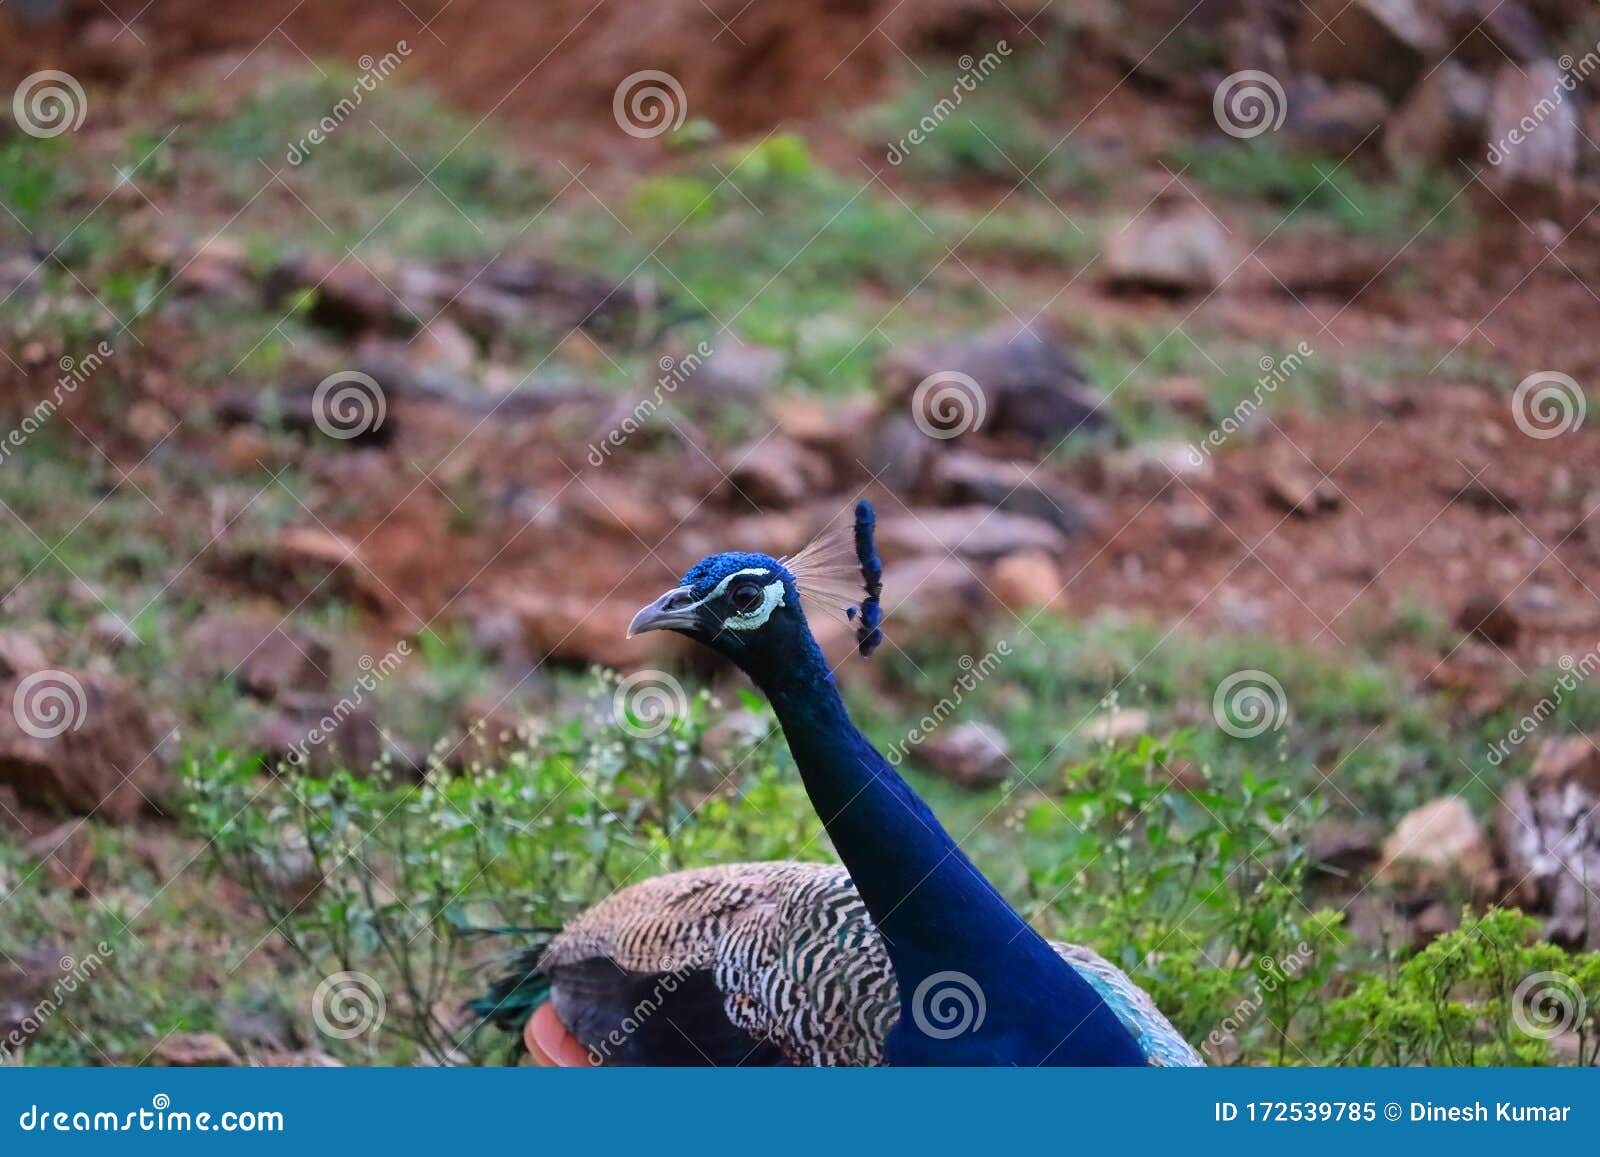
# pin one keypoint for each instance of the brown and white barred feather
(795, 956)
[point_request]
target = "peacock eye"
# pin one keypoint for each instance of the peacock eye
(745, 597)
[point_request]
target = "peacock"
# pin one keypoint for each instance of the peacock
(905, 955)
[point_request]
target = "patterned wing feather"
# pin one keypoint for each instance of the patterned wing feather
(798, 964)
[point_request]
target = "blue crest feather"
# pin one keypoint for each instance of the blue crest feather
(869, 632)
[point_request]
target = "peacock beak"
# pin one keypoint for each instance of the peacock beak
(673, 611)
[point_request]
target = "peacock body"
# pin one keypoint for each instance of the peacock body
(758, 964)
(906, 955)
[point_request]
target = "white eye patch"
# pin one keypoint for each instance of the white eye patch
(771, 600)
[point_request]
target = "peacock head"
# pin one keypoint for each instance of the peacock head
(749, 607)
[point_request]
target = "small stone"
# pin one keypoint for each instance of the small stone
(1384, 43)
(1436, 842)
(778, 473)
(971, 754)
(1441, 121)
(187, 1050)
(1298, 489)
(1116, 726)
(1534, 137)
(1490, 618)
(1027, 581)
(1178, 250)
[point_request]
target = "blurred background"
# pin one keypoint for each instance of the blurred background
(1218, 371)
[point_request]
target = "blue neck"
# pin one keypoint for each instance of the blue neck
(936, 912)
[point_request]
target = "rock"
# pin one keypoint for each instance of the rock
(610, 502)
(573, 628)
(902, 454)
(1549, 832)
(1384, 43)
(260, 652)
(1436, 843)
(305, 562)
(961, 477)
(444, 343)
(1489, 617)
(1337, 118)
(346, 296)
(730, 739)
(347, 412)
(82, 742)
(1441, 121)
(969, 531)
(1533, 128)
(1029, 386)
(188, 1050)
(1486, 33)
(513, 292)
(1027, 581)
(934, 592)
(778, 472)
(20, 655)
(324, 735)
(733, 369)
(1296, 488)
(1116, 726)
(1175, 250)
(971, 754)
(1344, 847)
(112, 633)
(1150, 466)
